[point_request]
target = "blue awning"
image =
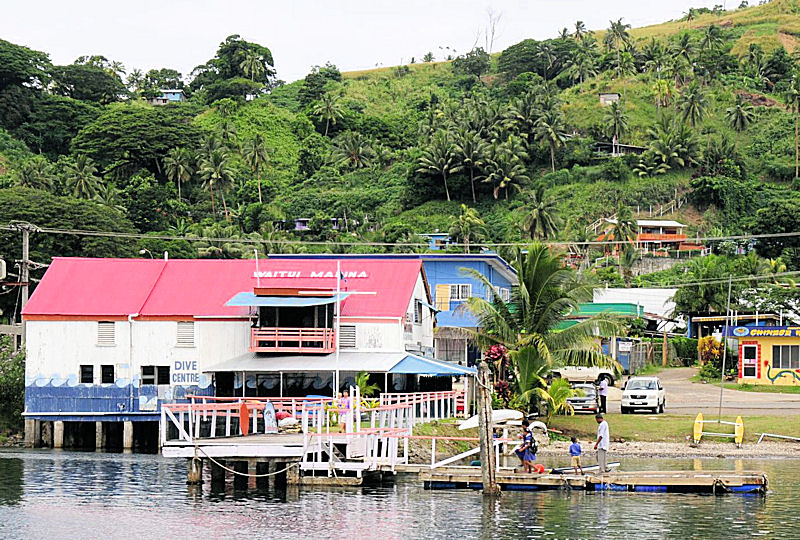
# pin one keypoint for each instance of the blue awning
(419, 365)
(250, 299)
(426, 304)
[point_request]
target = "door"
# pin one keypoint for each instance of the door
(749, 360)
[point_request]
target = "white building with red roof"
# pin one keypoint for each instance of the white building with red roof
(109, 340)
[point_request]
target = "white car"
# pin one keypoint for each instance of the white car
(587, 399)
(584, 374)
(643, 393)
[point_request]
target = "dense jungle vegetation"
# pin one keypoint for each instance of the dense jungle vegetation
(491, 148)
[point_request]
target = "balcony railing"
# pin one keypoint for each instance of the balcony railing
(656, 237)
(285, 339)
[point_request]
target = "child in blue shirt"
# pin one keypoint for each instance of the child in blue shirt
(575, 451)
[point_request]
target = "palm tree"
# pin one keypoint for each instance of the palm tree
(469, 224)
(108, 195)
(550, 129)
(252, 66)
(352, 150)
(470, 150)
(712, 38)
(256, 154)
(215, 169)
(545, 53)
(34, 173)
(541, 215)
(663, 90)
(365, 389)
(741, 114)
(683, 49)
(82, 178)
(580, 30)
(438, 158)
(616, 121)
(504, 170)
(793, 101)
(622, 229)
(179, 166)
(617, 37)
(530, 324)
(329, 110)
(692, 103)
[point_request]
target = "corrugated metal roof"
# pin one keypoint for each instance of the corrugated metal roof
(201, 288)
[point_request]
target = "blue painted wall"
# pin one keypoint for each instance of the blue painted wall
(135, 403)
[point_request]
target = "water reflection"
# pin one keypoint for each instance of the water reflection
(88, 495)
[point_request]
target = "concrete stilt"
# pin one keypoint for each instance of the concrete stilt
(33, 433)
(58, 434)
(127, 436)
(195, 475)
(239, 481)
(47, 434)
(292, 474)
(252, 467)
(99, 439)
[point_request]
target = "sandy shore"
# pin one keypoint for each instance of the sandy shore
(767, 449)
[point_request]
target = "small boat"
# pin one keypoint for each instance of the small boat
(586, 468)
(499, 416)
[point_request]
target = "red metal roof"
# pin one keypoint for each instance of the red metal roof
(200, 288)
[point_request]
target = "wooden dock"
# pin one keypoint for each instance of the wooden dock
(718, 482)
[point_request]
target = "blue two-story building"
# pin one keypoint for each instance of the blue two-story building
(451, 284)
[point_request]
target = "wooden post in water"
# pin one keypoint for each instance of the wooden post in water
(488, 472)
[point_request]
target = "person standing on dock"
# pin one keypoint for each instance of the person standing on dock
(575, 451)
(602, 391)
(603, 438)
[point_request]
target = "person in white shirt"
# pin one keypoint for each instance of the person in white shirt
(603, 438)
(603, 393)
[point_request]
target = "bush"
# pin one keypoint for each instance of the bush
(12, 385)
(615, 169)
(709, 372)
(685, 349)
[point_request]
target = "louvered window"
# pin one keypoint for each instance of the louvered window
(105, 334)
(347, 336)
(185, 334)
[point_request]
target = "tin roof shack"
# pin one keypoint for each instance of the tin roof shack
(768, 355)
(712, 324)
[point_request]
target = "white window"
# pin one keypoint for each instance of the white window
(417, 312)
(460, 292)
(185, 334)
(505, 294)
(347, 336)
(786, 356)
(105, 334)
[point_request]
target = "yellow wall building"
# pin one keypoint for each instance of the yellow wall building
(768, 354)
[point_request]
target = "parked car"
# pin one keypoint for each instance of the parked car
(587, 400)
(643, 393)
(582, 374)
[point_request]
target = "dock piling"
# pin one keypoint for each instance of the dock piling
(195, 475)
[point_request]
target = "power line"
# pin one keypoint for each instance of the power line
(752, 277)
(282, 241)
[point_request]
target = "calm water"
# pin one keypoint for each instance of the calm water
(54, 495)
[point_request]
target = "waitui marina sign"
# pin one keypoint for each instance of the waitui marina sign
(327, 274)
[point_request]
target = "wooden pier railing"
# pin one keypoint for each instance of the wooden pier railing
(284, 339)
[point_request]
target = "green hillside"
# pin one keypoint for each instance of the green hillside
(495, 149)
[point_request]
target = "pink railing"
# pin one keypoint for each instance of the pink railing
(283, 339)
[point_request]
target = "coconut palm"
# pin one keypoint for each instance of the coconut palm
(617, 37)
(580, 30)
(531, 321)
(467, 225)
(616, 121)
(108, 195)
(505, 170)
(623, 230)
(792, 97)
(253, 66)
(741, 114)
(541, 219)
(470, 151)
(179, 165)
(550, 129)
(216, 172)
(329, 110)
(663, 90)
(256, 154)
(438, 158)
(352, 150)
(34, 173)
(82, 178)
(692, 103)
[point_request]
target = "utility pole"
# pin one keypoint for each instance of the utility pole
(488, 463)
(25, 266)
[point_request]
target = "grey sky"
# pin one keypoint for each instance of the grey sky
(353, 34)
